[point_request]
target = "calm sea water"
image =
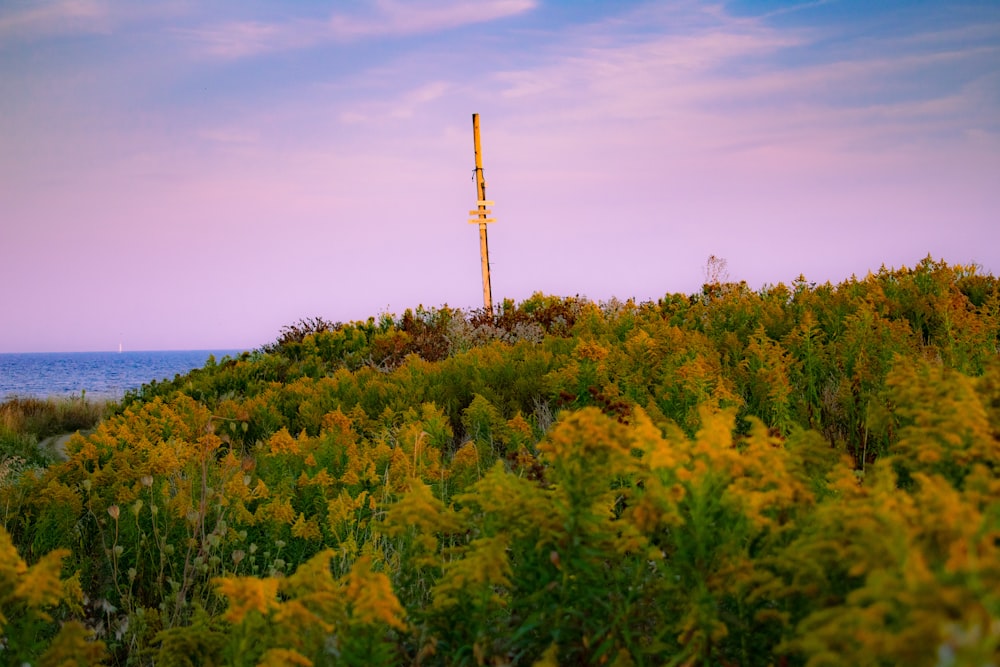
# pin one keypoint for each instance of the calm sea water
(100, 374)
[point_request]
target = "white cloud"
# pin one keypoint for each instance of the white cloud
(241, 39)
(402, 18)
(727, 81)
(796, 8)
(402, 106)
(233, 136)
(62, 16)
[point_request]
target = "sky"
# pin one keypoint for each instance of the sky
(177, 174)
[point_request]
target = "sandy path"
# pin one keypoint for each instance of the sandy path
(56, 444)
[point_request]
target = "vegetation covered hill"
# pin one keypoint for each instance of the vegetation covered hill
(801, 475)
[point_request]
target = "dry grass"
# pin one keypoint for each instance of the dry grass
(26, 422)
(50, 416)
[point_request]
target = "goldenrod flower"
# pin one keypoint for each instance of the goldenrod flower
(247, 594)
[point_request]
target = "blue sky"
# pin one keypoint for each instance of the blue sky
(178, 174)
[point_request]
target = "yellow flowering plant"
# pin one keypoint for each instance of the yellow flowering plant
(798, 475)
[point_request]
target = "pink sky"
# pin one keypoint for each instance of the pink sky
(178, 175)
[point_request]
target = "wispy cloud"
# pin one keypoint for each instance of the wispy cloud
(59, 17)
(641, 73)
(243, 39)
(403, 105)
(731, 78)
(796, 8)
(231, 136)
(402, 18)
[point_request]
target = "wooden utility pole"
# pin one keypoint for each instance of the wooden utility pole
(482, 216)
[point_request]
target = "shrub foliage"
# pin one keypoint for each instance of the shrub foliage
(801, 475)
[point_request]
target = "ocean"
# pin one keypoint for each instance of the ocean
(100, 374)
